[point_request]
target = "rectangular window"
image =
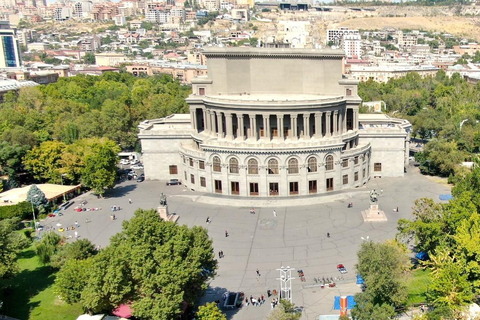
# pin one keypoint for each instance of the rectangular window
(203, 182)
(273, 188)
(355, 161)
(377, 166)
(329, 184)
(345, 163)
(355, 176)
(293, 187)
(253, 189)
(190, 160)
(312, 186)
(349, 123)
(218, 186)
(345, 179)
(201, 164)
(173, 169)
(201, 91)
(192, 179)
(235, 186)
(348, 92)
(274, 132)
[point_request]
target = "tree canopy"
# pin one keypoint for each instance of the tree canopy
(157, 266)
(11, 243)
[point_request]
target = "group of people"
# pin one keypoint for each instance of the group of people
(220, 254)
(115, 208)
(255, 302)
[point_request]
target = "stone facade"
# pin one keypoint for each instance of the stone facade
(268, 122)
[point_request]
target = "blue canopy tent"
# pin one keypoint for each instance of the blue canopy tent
(350, 303)
(360, 279)
(445, 197)
(422, 255)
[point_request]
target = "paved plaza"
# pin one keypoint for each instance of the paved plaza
(295, 237)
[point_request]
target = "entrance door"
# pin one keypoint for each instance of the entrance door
(329, 184)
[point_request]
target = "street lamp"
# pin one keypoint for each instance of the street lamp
(33, 211)
(286, 282)
(61, 179)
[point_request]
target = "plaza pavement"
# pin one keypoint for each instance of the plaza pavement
(296, 237)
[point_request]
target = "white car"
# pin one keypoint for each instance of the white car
(124, 161)
(137, 166)
(134, 161)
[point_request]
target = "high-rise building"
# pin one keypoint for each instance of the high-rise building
(10, 48)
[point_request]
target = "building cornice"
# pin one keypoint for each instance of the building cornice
(267, 53)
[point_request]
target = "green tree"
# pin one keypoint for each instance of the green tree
(77, 250)
(383, 266)
(155, 264)
(11, 243)
(89, 58)
(100, 168)
(44, 161)
(47, 247)
(284, 311)
(210, 311)
(70, 280)
(37, 198)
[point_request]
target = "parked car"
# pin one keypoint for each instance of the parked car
(173, 182)
(134, 161)
(141, 179)
(124, 161)
(137, 166)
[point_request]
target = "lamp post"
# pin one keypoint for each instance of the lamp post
(61, 179)
(33, 211)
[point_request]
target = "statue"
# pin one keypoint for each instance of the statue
(163, 199)
(373, 196)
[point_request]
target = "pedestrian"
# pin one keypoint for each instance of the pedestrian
(222, 253)
(269, 293)
(76, 234)
(113, 216)
(130, 201)
(397, 209)
(219, 254)
(272, 304)
(328, 234)
(208, 220)
(76, 224)
(246, 302)
(262, 297)
(274, 213)
(226, 234)
(258, 273)
(252, 211)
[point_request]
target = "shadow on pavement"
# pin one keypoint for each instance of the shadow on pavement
(119, 191)
(218, 294)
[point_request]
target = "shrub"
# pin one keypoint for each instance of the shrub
(22, 210)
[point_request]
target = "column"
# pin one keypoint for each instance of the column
(345, 120)
(355, 119)
(205, 120)
(306, 125)
(269, 133)
(266, 126)
(318, 124)
(241, 133)
(220, 125)
(335, 122)
(212, 122)
(255, 134)
(327, 124)
(293, 123)
(280, 125)
(252, 132)
(229, 125)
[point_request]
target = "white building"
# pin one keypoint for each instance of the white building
(273, 122)
(336, 35)
(352, 45)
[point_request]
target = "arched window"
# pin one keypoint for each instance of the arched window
(233, 165)
(216, 164)
(272, 166)
(312, 164)
(329, 162)
(252, 166)
(293, 166)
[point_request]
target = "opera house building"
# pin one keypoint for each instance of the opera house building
(274, 122)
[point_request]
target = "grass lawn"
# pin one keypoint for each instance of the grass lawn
(29, 296)
(417, 287)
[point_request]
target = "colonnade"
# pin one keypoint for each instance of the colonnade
(230, 125)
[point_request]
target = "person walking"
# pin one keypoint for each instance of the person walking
(328, 234)
(208, 220)
(274, 213)
(76, 224)
(130, 201)
(76, 234)
(226, 234)
(258, 273)
(219, 254)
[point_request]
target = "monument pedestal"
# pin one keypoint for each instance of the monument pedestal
(374, 214)
(165, 216)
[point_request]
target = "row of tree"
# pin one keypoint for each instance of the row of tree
(75, 126)
(450, 234)
(443, 110)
